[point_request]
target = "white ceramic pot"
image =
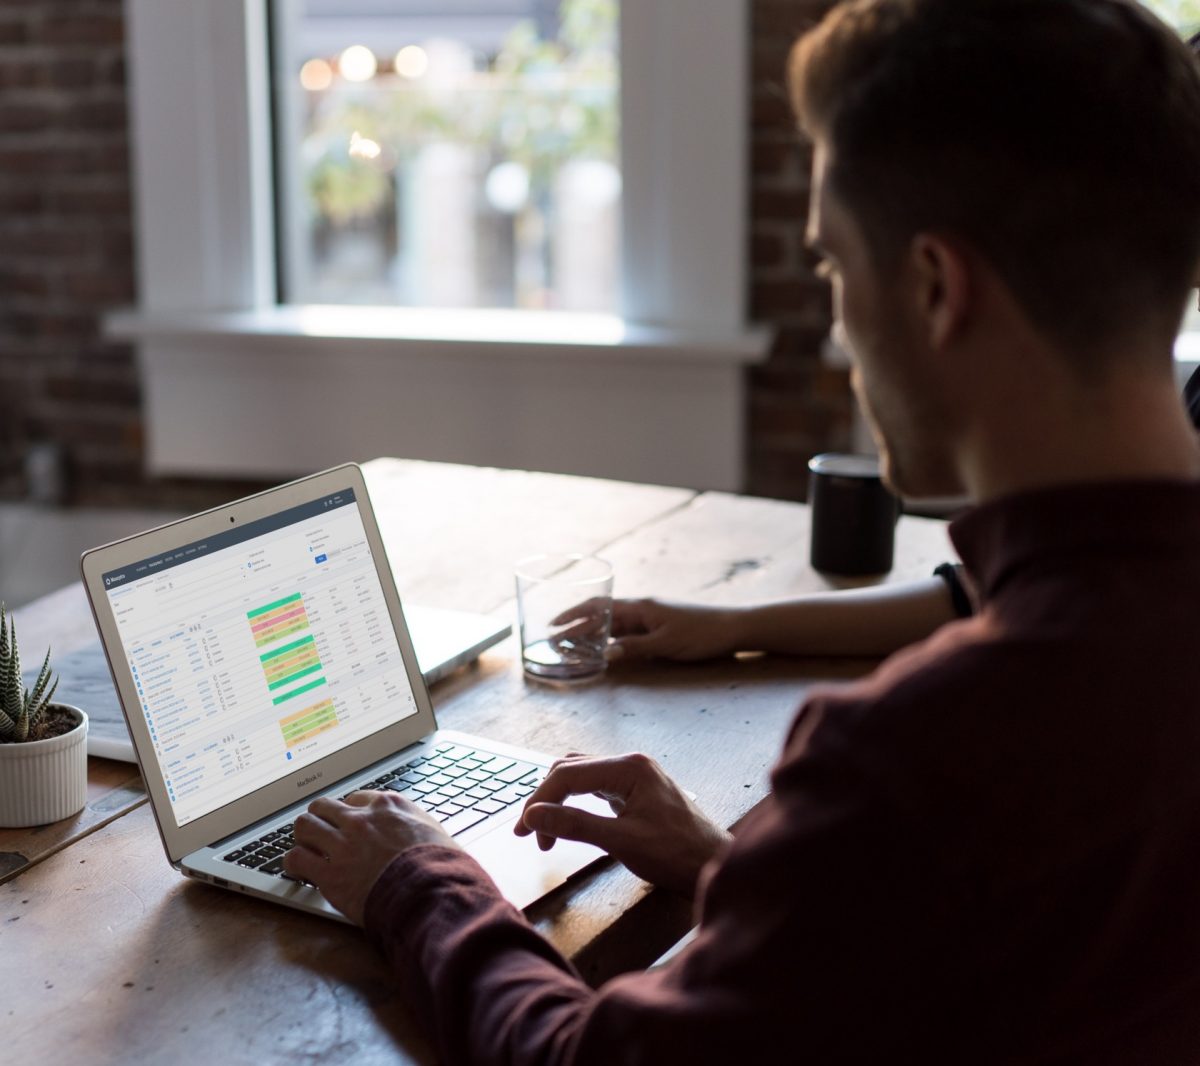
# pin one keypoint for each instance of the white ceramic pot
(43, 781)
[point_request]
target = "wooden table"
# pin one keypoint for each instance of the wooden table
(108, 955)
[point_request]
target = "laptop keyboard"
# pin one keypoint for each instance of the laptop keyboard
(458, 786)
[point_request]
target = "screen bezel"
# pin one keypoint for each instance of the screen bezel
(232, 818)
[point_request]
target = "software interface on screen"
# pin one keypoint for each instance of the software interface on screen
(259, 650)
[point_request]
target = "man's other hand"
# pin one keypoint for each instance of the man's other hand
(651, 629)
(343, 846)
(657, 832)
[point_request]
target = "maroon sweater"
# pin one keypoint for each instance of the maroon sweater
(987, 851)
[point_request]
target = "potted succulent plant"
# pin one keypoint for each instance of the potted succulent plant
(43, 744)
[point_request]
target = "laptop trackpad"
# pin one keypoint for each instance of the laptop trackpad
(525, 873)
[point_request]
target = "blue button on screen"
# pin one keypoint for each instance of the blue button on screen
(321, 558)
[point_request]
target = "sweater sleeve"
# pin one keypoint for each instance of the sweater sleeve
(775, 954)
(478, 976)
(493, 991)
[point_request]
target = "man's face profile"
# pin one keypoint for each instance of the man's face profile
(871, 323)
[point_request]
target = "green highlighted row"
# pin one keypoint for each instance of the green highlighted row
(287, 647)
(298, 691)
(293, 677)
(311, 723)
(271, 606)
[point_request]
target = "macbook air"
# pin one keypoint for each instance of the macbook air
(262, 659)
(444, 641)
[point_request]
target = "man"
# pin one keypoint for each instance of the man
(872, 621)
(989, 850)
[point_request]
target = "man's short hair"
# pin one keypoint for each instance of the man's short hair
(1060, 139)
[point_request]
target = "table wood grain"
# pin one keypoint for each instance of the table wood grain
(114, 788)
(110, 956)
(453, 533)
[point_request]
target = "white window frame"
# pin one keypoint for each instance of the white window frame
(1187, 349)
(653, 394)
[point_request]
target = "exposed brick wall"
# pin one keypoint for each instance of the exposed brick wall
(66, 257)
(65, 241)
(66, 254)
(797, 406)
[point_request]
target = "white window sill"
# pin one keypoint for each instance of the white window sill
(1187, 355)
(227, 392)
(482, 333)
(1187, 347)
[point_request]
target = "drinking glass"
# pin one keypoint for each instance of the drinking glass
(564, 605)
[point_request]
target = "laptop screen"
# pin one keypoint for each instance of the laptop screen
(259, 650)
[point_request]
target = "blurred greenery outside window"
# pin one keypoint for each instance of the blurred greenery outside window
(477, 168)
(1184, 15)
(448, 174)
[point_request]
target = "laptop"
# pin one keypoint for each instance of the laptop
(444, 641)
(262, 659)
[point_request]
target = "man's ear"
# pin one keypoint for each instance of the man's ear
(942, 290)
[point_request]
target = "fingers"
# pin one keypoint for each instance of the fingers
(630, 616)
(642, 646)
(576, 777)
(552, 822)
(571, 756)
(328, 809)
(316, 833)
(580, 630)
(322, 824)
(587, 610)
(305, 864)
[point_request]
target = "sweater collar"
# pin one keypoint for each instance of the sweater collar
(1067, 523)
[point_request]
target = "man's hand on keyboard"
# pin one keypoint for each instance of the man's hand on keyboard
(343, 846)
(657, 832)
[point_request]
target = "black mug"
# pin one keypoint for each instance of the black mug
(853, 516)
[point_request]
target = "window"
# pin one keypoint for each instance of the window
(459, 154)
(1184, 15)
(510, 355)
